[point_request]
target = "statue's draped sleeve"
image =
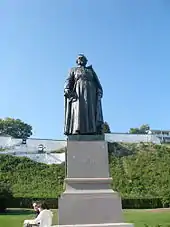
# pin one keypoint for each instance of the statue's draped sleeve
(69, 83)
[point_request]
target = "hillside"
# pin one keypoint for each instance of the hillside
(138, 171)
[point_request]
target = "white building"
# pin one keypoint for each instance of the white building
(131, 138)
(163, 135)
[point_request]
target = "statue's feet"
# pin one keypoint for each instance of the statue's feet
(77, 132)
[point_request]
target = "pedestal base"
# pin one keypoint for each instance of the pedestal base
(99, 225)
(88, 199)
(92, 206)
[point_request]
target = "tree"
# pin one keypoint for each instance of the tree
(15, 128)
(143, 129)
(106, 128)
(134, 131)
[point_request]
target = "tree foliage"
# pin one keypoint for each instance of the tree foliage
(106, 128)
(143, 129)
(15, 128)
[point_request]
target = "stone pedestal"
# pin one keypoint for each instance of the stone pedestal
(88, 199)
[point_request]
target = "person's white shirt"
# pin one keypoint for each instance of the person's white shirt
(44, 218)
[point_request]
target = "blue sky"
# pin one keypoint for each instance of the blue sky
(126, 41)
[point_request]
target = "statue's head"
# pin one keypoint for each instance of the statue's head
(81, 60)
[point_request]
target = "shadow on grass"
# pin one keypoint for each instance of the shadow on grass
(17, 212)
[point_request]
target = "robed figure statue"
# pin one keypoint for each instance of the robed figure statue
(83, 93)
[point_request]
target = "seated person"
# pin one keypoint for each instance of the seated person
(44, 219)
(35, 207)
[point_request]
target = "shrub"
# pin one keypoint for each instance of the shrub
(5, 196)
(27, 202)
(143, 203)
(149, 203)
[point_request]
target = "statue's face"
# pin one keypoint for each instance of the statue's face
(81, 60)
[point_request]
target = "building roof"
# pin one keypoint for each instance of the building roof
(159, 130)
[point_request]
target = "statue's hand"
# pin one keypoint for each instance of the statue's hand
(67, 93)
(70, 94)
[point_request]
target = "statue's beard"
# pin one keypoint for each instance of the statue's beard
(81, 63)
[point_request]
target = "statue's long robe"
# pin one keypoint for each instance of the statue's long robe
(83, 115)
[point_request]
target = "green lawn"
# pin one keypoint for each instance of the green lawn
(142, 217)
(15, 218)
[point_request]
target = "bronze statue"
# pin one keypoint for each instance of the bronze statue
(83, 93)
